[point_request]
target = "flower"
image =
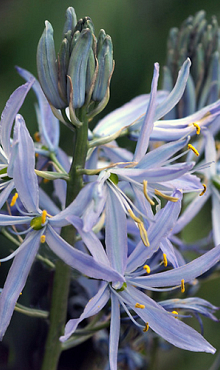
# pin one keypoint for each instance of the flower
(7, 156)
(40, 227)
(128, 294)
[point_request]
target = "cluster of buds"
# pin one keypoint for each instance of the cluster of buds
(198, 40)
(80, 75)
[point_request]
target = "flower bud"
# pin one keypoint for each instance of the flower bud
(199, 41)
(105, 63)
(80, 76)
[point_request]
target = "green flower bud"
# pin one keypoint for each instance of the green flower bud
(105, 63)
(80, 76)
(199, 41)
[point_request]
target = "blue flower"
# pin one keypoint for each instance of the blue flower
(7, 156)
(128, 294)
(40, 227)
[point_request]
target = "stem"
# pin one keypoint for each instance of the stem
(62, 276)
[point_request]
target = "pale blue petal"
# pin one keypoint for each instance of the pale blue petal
(167, 248)
(79, 260)
(9, 186)
(164, 323)
(90, 239)
(160, 174)
(94, 305)
(188, 272)
(164, 221)
(114, 332)
(191, 211)
(6, 220)
(193, 304)
(116, 233)
(148, 121)
(77, 207)
(25, 178)
(12, 107)
(215, 215)
(48, 124)
(161, 154)
(177, 92)
(16, 279)
(126, 114)
(47, 203)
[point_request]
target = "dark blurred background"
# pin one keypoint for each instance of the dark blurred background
(139, 29)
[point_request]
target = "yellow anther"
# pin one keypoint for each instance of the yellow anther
(145, 193)
(165, 196)
(182, 286)
(204, 189)
(20, 293)
(45, 181)
(147, 269)
(143, 234)
(13, 201)
(190, 146)
(136, 219)
(146, 327)
(37, 137)
(43, 217)
(198, 129)
(175, 313)
(138, 305)
(36, 155)
(43, 238)
(165, 259)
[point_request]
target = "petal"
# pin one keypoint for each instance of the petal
(191, 211)
(6, 192)
(148, 121)
(48, 124)
(161, 154)
(90, 239)
(7, 220)
(188, 272)
(114, 332)
(164, 221)
(25, 178)
(177, 92)
(12, 107)
(16, 278)
(79, 260)
(116, 233)
(94, 305)
(165, 324)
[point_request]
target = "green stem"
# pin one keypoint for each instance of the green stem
(62, 276)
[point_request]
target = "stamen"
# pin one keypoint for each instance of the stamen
(43, 217)
(165, 259)
(46, 181)
(198, 129)
(146, 327)
(13, 201)
(182, 286)
(143, 234)
(147, 269)
(138, 305)
(43, 239)
(136, 219)
(37, 137)
(204, 189)
(145, 193)
(165, 196)
(190, 146)
(175, 313)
